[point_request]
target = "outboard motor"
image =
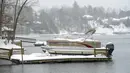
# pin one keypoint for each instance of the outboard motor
(110, 47)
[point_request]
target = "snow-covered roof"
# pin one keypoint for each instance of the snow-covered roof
(62, 32)
(88, 16)
(105, 21)
(6, 28)
(38, 22)
(27, 22)
(120, 28)
(116, 19)
(120, 19)
(125, 18)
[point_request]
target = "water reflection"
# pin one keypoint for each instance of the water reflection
(97, 67)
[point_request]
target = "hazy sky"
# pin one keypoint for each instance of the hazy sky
(123, 4)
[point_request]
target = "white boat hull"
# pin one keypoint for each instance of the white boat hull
(73, 50)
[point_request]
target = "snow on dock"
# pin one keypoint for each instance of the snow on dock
(43, 58)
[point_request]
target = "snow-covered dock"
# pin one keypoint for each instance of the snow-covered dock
(47, 58)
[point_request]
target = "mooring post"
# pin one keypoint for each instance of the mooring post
(10, 53)
(94, 52)
(106, 52)
(94, 47)
(21, 51)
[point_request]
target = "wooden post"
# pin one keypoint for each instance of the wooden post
(1, 15)
(106, 52)
(94, 51)
(94, 48)
(21, 50)
(10, 53)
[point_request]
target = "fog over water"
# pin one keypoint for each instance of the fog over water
(118, 4)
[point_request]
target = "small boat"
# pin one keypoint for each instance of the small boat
(39, 43)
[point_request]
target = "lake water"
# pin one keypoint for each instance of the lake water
(120, 63)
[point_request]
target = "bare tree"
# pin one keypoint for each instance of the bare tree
(1, 16)
(17, 17)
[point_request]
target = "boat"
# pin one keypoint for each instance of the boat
(79, 46)
(74, 42)
(39, 43)
(74, 47)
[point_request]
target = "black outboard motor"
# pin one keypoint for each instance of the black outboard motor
(110, 47)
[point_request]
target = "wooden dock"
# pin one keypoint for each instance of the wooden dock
(63, 60)
(31, 59)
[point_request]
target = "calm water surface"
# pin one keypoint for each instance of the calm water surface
(120, 63)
